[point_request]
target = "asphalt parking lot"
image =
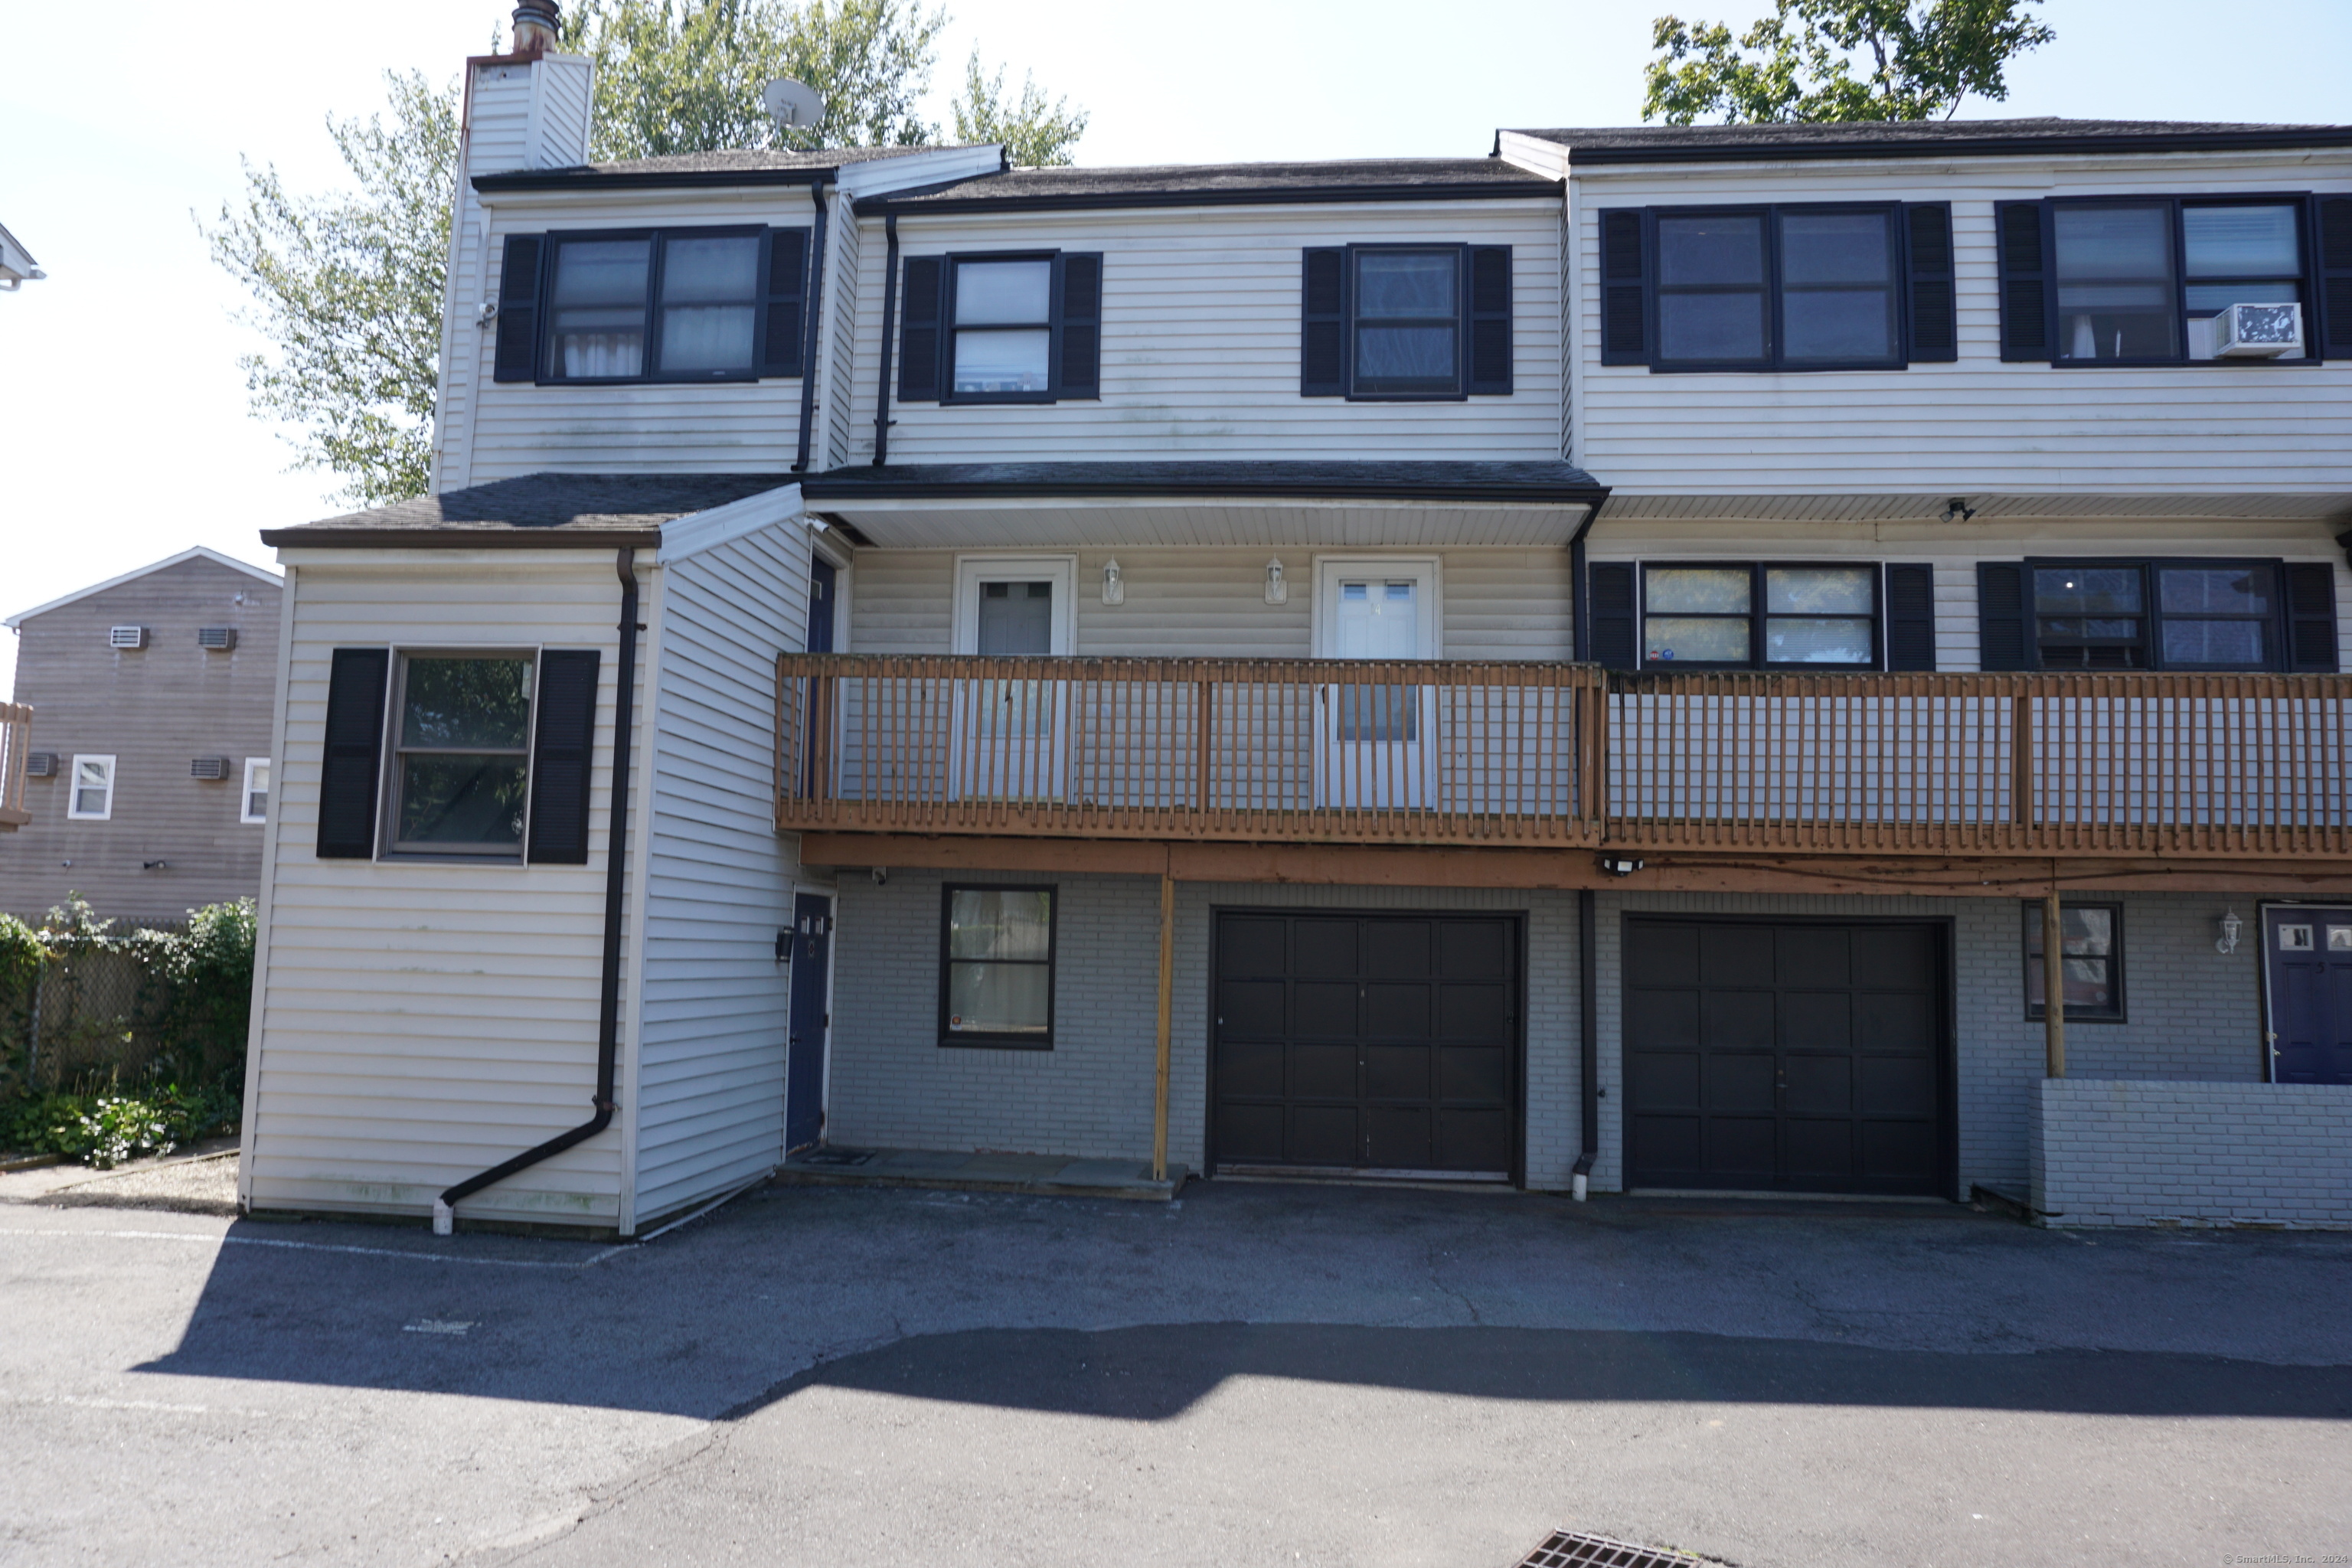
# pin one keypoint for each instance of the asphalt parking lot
(1257, 1374)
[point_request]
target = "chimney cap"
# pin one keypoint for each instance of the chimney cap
(536, 25)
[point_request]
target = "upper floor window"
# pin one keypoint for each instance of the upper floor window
(92, 799)
(2087, 282)
(1406, 322)
(652, 305)
(253, 800)
(2107, 613)
(1794, 615)
(1777, 287)
(1003, 326)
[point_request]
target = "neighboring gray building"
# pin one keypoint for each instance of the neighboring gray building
(151, 696)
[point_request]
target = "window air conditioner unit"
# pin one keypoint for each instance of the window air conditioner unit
(41, 764)
(126, 637)
(2258, 331)
(219, 639)
(208, 768)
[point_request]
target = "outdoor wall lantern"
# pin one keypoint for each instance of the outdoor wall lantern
(1114, 584)
(2230, 926)
(1277, 592)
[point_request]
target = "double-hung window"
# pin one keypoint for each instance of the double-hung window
(996, 967)
(253, 800)
(651, 305)
(1401, 323)
(1760, 616)
(1777, 287)
(2088, 281)
(1000, 327)
(2090, 962)
(461, 754)
(92, 796)
(2190, 615)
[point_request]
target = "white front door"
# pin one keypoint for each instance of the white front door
(1010, 741)
(1377, 749)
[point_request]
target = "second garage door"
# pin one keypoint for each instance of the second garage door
(1795, 1057)
(1366, 1042)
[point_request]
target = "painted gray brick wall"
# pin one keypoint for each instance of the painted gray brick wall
(894, 1086)
(1091, 1096)
(2139, 1152)
(2190, 1012)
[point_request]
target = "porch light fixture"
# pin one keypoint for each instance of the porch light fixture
(1114, 584)
(2230, 926)
(1277, 592)
(1620, 865)
(1958, 510)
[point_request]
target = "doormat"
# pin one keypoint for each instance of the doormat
(832, 1157)
(1569, 1548)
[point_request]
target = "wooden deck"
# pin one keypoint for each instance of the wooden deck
(1467, 755)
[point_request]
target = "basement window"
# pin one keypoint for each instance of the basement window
(2091, 963)
(996, 967)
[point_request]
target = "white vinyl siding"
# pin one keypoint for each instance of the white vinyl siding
(1505, 604)
(1977, 425)
(718, 878)
(1201, 339)
(419, 1021)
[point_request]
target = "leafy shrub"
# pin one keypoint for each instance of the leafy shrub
(207, 973)
(104, 1128)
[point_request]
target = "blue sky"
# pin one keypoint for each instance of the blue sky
(123, 430)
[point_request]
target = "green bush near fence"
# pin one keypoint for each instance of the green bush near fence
(150, 1071)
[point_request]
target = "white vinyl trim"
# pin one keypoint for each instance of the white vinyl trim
(1422, 569)
(101, 777)
(971, 570)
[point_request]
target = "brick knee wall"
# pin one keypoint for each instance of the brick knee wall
(2134, 1151)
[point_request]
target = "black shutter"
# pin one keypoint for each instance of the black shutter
(1935, 336)
(1608, 588)
(1490, 320)
(1910, 618)
(1624, 289)
(562, 746)
(2024, 308)
(1081, 346)
(2334, 336)
(781, 308)
(2311, 619)
(354, 763)
(1323, 315)
(2002, 615)
(918, 331)
(518, 355)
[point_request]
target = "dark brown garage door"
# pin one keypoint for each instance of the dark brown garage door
(1372, 1042)
(1789, 1056)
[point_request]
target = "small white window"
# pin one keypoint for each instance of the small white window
(93, 790)
(255, 796)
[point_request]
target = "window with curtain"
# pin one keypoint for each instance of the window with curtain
(2090, 960)
(709, 302)
(596, 309)
(1004, 328)
(2141, 281)
(683, 305)
(1760, 616)
(996, 985)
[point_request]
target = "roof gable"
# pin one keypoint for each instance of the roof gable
(201, 552)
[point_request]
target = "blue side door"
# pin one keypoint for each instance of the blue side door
(811, 1020)
(2308, 948)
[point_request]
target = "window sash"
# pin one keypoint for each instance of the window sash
(1020, 981)
(1453, 323)
(2096, 969)
(1759, 622)
(2144, 647)
(255, 788)
(652, 309)
(2180, 283)
(400, 755)
(1048, 389)
(90, 776)
(1773, 290)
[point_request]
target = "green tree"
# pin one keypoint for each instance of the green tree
(1921, 58)
(1037, 134)
(347, 287)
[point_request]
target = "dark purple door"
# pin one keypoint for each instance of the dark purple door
(2309, 951)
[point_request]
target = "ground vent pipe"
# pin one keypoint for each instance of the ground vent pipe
(616, 839)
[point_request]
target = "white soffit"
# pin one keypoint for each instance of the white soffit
(966, 524)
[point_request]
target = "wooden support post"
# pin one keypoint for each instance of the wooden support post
(2053, 982)
(1167, 993)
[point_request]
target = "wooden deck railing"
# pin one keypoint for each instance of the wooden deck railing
(15, 745)
(1444, 753)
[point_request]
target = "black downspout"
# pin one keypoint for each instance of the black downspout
(889, 331)
(616, 845)
(810, 329)
(1580, 631)
(1588, 1030)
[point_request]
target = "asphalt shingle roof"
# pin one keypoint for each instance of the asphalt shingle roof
(1668, 144)
(563, 510)
(1421, 480)
(1184, 184)
(747, 163)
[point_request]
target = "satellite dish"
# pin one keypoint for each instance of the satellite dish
(795, 106)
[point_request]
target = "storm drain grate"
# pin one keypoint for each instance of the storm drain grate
(1569, 1549)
